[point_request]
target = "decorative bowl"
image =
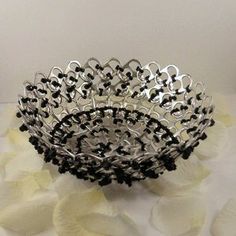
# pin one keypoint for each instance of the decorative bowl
(104, 122)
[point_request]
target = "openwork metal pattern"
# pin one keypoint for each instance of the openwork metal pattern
(118, 122)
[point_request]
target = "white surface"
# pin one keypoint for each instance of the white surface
(198, 36)
(217, 189)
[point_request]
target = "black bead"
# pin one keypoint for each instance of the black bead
(60, 75)
(44, 80)
(33, 140)
(128, 180)
(56, 94)
(158, 72)
(42, 91)
(203, 137)
(119, 175)
(212, 122)
(83, 126)
(90, 76)
(151, 174)
(18, 114)
(40, 150)
(135, 93)
(118, 91)
(23, 128)
(88, 85)
(119, 68)
(135, 165)
(156, 138)
(187, 152)
(70, 89)
(106, 165)
(47, 159)
(29, 87)
(55, 83)
(61, 170)
(105, 181)
(25, 99)
(73, 171)
(170, 165)
(198, 96)
(44, 102)
(123, 86)
(139, 69)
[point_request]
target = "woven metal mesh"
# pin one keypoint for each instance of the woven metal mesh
(115, 122)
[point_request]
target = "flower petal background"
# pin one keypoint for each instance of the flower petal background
(117, 225)
(29, 217)
(217, 138)
(225, 221)
(89, 213)
(179, 215)
(223, 111)
(4, 158)
(18, 140)
(66, 184)
(23, 161)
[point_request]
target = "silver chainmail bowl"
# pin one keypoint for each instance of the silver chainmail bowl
(104, 122)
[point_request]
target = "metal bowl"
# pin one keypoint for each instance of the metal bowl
(104, 122)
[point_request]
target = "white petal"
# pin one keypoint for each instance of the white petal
(225, 222)
(189, 173)
(223, 111)
(69, 210)
(8, 118)
(9, 194)
(193, 232)
(43, 178)
(217, 137)
(5, 157)
(118, 225)
(178, 215)
(31, 182)
(53, 169)
(49, 232)
(19, 140)
(24, 161)
(66, 184)
(23, 188)
(26, 186)
(5, 232)
(29, 217)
